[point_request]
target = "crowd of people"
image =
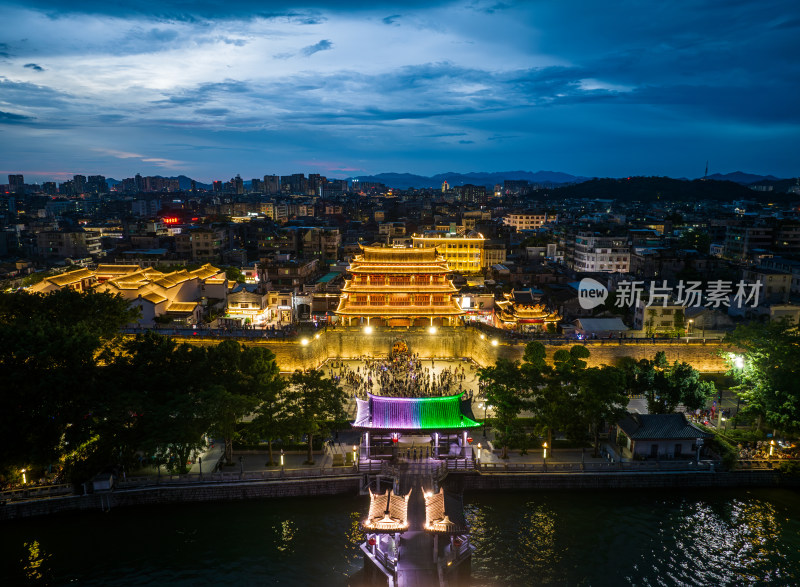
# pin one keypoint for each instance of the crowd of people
(405, 375)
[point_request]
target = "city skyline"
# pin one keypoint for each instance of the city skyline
(210, 91)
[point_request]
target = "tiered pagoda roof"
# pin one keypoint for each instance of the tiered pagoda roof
(399, 414)
(399, 282)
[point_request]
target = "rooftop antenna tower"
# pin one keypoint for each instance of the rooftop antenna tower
(706, 174)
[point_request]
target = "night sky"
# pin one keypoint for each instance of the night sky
(350, 88)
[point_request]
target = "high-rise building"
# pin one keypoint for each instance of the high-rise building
(217, 186)
(273, 184)
(16, 184)
(96, 184)
(50, 188)
(79, 184)
(256, 186)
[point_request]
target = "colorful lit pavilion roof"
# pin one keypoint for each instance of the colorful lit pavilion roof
(396, 414)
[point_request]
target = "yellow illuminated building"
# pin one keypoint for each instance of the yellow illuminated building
(464, 254)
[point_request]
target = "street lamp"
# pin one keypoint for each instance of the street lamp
(544, 446)
(355, 449)
(368, 330)
(281, 458)
(432, 330)
(494, 342)
(771, 447)
(200, 462)
(24, 479)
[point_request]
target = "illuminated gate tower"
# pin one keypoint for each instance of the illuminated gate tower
(399, 287)
(438, 427)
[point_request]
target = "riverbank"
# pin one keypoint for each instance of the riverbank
(351, 483)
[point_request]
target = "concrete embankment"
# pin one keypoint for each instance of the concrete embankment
(350, 484)
(166, 494)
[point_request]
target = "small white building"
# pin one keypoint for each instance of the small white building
(659, 436)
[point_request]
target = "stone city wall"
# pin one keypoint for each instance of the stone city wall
(457, 343)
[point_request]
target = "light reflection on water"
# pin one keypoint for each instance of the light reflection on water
(636, 538)
(532, 538)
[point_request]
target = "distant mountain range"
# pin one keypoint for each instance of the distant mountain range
(743, 178)
(409, 180)
(546, 178)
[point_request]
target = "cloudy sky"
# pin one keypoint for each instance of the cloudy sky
(348, 88)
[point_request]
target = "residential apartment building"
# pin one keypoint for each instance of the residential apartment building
(593, 252)
(68, 243)
(528, 220)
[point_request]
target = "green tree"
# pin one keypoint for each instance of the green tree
(764, 364)
(505, 392)
(601, 399)
(312, 401)
(666, 386)
(175, 403)
(247, 377)
(51, 350)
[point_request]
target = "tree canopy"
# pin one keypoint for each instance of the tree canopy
(768, 371)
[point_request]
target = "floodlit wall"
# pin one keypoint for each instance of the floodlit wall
(459, 343)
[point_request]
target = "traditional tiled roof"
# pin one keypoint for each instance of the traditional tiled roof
(181, 307)
(69, 277)
(660, 427)
(602, 324)
(117, 270)
(400, 255)
(412, 413)
(387, 512)
(444, 513)
(154, 297)
(205, 271)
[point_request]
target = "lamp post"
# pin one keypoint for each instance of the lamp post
(200, 462)
(479, 454)
(281, 459)
(355, 450)
(544, 452)
(241, 466)
(24, 478)
(771, 447)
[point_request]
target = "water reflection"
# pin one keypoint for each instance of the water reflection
(354, 536)
(33, 566)
(285, 534)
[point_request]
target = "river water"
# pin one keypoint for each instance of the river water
(697, 537)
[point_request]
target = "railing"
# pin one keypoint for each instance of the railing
(282, 474)
(38, 492)
(459, 464)
(632, 466)
(762, 463)
(386, 560)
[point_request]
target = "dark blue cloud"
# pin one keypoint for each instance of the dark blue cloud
(34, 67)
(11, 118)
(211, 9)
(391, 19)
(323, 45)
(4, 50)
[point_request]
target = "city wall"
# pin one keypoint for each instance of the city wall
(458, 343)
